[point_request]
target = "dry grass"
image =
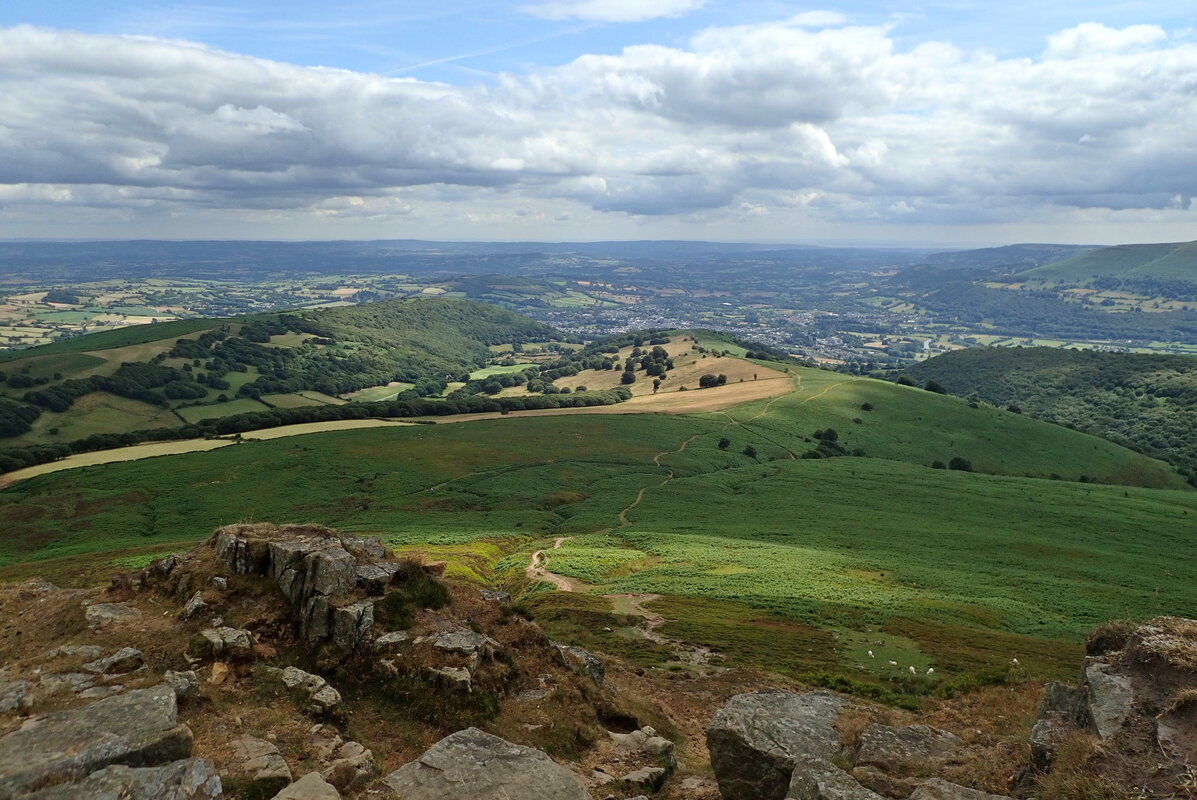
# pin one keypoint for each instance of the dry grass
(1073, 776)
(1172, 640)
(1185, 698)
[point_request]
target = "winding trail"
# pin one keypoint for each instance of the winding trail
(536, 570)
(693, 655)
(669, 476)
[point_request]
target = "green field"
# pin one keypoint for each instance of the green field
(486, 372)
(212, 410)
(1173, 261)
(100, 412)
(122, 337)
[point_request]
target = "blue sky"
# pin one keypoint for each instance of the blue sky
(950, 122)
(461, 42)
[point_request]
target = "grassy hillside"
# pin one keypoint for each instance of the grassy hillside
(905, 423)
(1154, 262)
(1145, 401)
(951, 569)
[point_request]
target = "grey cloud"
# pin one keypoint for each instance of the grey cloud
(831, 122)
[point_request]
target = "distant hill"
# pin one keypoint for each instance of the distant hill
(1144, 401)
(1013, 257)
(1131, 265)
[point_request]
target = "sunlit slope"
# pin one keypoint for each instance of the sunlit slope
(910, 424)
(1169, 262)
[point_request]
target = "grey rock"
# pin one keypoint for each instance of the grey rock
(892, 748)
(817, 779)
(15, 696)
(1107, 699)
(220, 583)
(644, 740)
(322, 697)
(466, 642)
(80, 651)
(473, 765)
(194, 606)
(224, 642)
(260, 762)
(937, 789)
(375, 578)
(496, 596)
(352, 626)
(1059, 697)
(138, 728)
(67, 682)
(756, 739)
(883, 783)
(455, 678)
(649, 778)
(124, 660)
(100, 615)
(392, 640)
(310, 787)
(351, 768)
(1049, 732)
(100, 692)
(188, 779)
(534, 695)
(185, 685)
(582, 661)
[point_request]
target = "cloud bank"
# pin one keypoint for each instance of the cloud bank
(804, 117)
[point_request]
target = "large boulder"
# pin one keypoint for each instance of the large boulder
(188, 779)
(138, 728)
(756, 739)
(473, 765)
(893, 749)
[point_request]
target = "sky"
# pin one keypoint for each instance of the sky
(946, 123)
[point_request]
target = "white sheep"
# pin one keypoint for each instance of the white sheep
(912, 672)
(930, 670)
(871, 654)
(1014, 661)
(893, 663)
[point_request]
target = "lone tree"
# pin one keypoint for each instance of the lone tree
(707, 381)
(749, 451)
(656, 384)
(724, 443)
(962, 464)
(627, 377)
(935, 386)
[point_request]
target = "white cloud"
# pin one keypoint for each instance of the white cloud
(612, 10)
(832, 124)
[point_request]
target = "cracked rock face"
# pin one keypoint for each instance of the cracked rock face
(755, 740)
(890, 748)
(137, 728)
(187, 779)
(315, 568)
(473, 765)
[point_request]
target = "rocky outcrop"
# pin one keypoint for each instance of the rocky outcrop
(1137, 693)
(316, 569)
(188, 779)
(473, 765)
(755, 740)
(139, 728)
(124, 660)
(891, 749)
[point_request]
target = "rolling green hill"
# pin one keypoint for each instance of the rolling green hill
(1176, 262)
(1144, 401)
(762, 557)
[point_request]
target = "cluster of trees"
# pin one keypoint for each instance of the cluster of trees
(708, 380)
(828, 445)
(19, 457)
